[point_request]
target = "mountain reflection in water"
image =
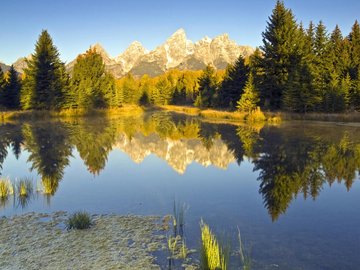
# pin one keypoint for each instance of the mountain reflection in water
(291, 159)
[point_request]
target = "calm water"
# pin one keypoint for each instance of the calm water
(293, 189)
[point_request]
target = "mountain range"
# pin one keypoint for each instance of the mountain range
(177, 52)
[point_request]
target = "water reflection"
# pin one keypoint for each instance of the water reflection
(291, 159)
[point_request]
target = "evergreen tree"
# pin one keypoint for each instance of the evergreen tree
(11, 92)
(323, 65)
(207, 88)
(250, 98)
(233, 84)
(299, 94)
(279, 45)
(131, 90)
(354, 44)
(2, 85)
(164, 91)
(45, 77)
(91, 86)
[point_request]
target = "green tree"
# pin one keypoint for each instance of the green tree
(164, 91)
(91, 86)
(2, 85)
(354, 44)
(279, 46)
(233, 84)
(250, 98)
(11, 92)
(207, 88)
(45, 77)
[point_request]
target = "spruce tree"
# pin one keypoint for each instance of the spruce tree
(207, 88)
(45, 77)
(91, 86)
(354, 43)
(250, 98)
(2, 85)
(11, 92)
(279, 45)
(323, 66)
(233, 84)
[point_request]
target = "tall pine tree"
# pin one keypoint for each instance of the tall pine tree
(91, 86)
(11, 92)
(207, 88)
(279, 45)
(233, 84)
(45, 77)
(250, 98)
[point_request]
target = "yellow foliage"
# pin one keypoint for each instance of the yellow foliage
(211, 251)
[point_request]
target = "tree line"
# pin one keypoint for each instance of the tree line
(296, 69)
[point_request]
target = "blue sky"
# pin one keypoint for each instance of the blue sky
(76, 24)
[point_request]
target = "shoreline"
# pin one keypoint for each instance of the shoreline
(35, 240)
(204, 114)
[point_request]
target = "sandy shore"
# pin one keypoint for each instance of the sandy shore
(40, 241)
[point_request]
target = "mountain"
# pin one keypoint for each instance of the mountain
(177, 52)
(178, 154)
(21, 64)
(4, 67)
(180, 53)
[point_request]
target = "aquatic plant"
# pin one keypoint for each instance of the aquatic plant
(212, 254)
(6, 188)
(24, 191)
(183, 250)
(179, 218)
(24, 187)
(172, 245)
(79, 220)
(245, 257)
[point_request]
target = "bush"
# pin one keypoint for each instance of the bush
(256, 116)
(79, 221)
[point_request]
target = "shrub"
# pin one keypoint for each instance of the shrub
(256, 116)
(79, 221)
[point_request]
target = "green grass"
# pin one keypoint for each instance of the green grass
(6, 189)
(245, 257)
(213, 256)
(66, 113)
(24, 187)
(79, 220)
(179, 218)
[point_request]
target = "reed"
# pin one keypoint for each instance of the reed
(6, 188)
(24, 187)
(212, 255)
(179, 218)
(245, 257)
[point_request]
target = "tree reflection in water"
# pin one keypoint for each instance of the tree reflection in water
(291, 159)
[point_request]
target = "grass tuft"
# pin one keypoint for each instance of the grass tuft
(24, 187)
(212, 255)
(6, 188)
(179, 218)
(245, 257)
(79, 220)
(256, 116)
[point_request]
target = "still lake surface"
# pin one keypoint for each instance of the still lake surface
(293, 189)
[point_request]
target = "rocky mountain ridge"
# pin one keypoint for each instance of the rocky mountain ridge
(177, 52)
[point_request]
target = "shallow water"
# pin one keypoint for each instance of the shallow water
(293, 189)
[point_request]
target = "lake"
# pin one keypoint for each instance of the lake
(293, 189)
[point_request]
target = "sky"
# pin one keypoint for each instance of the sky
(76, 24)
